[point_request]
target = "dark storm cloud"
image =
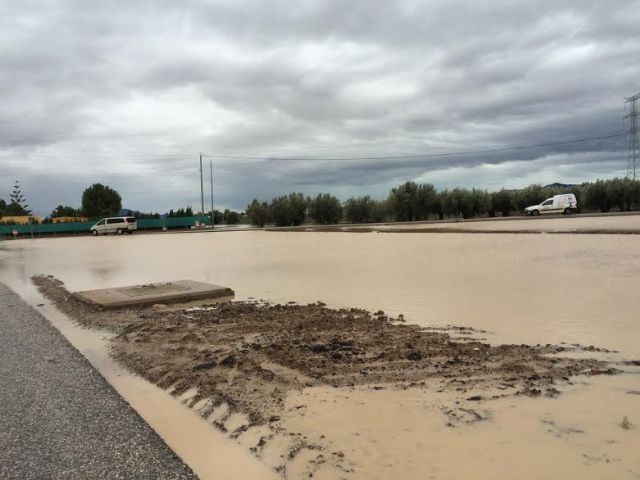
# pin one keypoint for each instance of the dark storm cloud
(104, 92)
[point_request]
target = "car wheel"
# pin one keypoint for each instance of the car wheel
(566, 211)
(119, 231)
(94, 233)
(535, 212)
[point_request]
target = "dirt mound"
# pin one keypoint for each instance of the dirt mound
(251, 354)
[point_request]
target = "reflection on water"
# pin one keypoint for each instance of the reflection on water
(522, 288)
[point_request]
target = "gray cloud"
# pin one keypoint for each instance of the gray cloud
(128, 94)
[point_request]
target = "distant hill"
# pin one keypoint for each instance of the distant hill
(560, 185)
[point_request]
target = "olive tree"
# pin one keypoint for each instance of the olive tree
(403, 201)
(425, 201)
(360, 209)
(288, 210)
(325, 209)
(596, 196)
(258, 213)
(502, 202)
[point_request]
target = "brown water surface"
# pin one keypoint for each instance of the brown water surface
(521, 288)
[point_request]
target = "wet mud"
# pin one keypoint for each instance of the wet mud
(237, 363)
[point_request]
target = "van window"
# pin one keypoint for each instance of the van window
(131, 219)
(101, 222)
(115, 220)
(548, 202)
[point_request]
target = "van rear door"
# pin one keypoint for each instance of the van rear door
(564, 201)
(131, 223)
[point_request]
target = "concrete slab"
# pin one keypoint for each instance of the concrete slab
(171, 292)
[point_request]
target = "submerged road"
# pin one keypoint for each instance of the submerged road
(59, 418)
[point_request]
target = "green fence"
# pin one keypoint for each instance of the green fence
(84, 227)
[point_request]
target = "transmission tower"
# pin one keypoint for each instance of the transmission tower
(632, 162)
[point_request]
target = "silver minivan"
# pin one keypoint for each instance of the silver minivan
(117, 225)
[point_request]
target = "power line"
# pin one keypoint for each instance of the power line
(423, 155)
(188, 155)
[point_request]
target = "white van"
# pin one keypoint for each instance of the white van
(564, 204)
(117, 225)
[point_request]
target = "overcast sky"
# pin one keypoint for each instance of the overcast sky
(128, 93)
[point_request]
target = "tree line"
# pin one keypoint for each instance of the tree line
(99, 201)
(409, 201)
(412, 201)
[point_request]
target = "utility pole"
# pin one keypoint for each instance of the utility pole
(632, 162)
(212, 214)
(201, 188)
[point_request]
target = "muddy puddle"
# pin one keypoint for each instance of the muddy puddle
(517, 288)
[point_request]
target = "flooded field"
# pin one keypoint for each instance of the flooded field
(520, 288)
(547, 223)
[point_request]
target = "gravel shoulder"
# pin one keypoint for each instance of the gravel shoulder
(59, 418)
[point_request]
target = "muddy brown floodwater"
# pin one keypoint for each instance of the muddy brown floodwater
(248, 357)
(520, 289)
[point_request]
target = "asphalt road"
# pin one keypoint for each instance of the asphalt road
(59, 418)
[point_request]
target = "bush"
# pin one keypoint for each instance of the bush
(65, 211)
(182, 212)
(231, 217)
